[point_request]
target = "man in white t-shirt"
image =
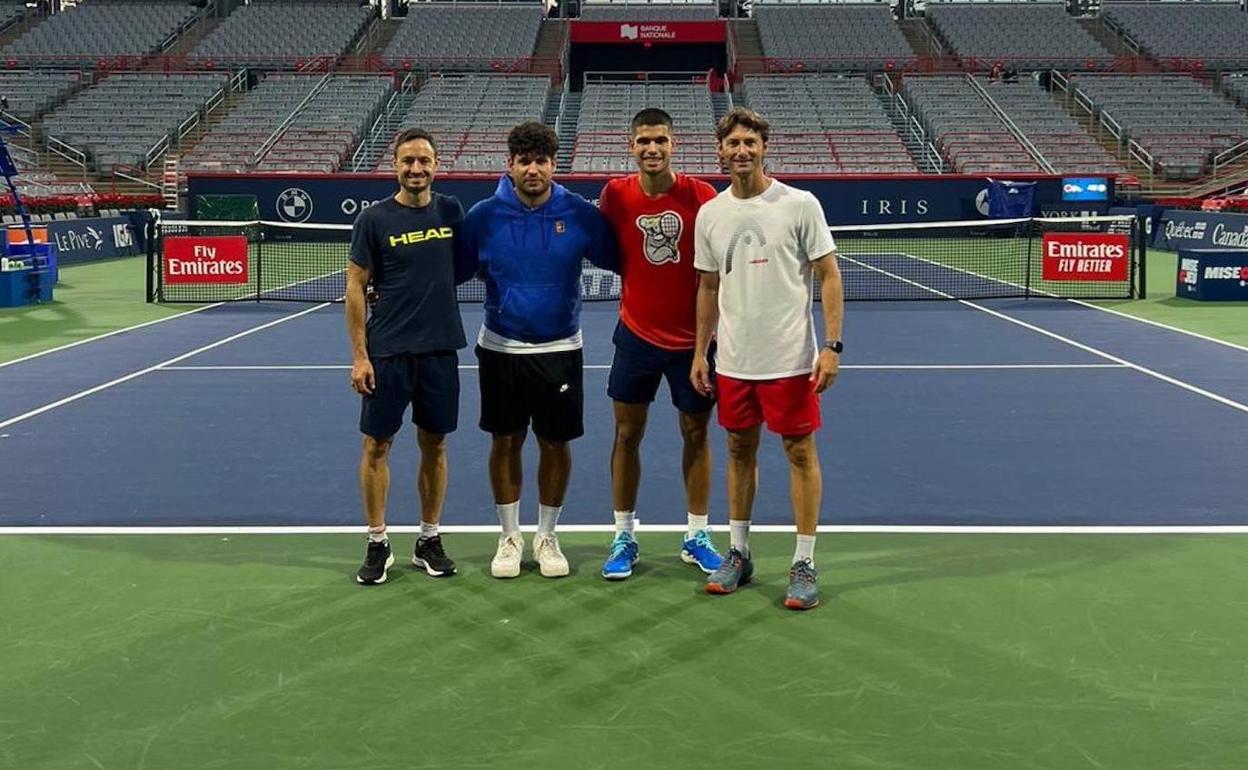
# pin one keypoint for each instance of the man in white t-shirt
(758, 244)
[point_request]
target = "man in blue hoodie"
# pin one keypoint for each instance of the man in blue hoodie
(528, 241)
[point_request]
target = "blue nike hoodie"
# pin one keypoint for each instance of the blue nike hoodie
(530, 260)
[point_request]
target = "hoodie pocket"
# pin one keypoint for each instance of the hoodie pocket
(537, 313)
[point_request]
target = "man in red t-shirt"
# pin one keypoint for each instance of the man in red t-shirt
(652, 213)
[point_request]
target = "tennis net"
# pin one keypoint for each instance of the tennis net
(1098, 257)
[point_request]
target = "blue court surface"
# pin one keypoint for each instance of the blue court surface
(1006, 412)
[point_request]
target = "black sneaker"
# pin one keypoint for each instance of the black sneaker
(429, 554)
(376, 562)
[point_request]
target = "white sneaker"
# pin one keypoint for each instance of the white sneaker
(506, 563)
(549, 558)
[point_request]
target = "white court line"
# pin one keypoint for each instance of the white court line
(1080, 302)
(884, 529)
(878, 367)
(1160, 325)
(141, 372)
(299, 367)
(75, 344)
(1054, 335)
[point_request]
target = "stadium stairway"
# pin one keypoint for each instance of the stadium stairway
(913, 145)
(1096, 27)
(387, 29)
(567, 130)
(749, 47)
(719, 105)
(1090, 124)
(920, 37)
(546, 52)
(367, 158)
(185, 43)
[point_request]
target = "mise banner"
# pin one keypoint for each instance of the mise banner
(648, 32)
(338, 199)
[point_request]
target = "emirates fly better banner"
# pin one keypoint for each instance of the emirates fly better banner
(205, 259)
(1086, 257)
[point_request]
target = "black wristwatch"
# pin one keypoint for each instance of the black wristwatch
(835, 346)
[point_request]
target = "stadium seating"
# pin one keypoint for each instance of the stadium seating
(609, 11)
(967, 132)
(230, 146)
(325, 133)
(11, 13)
(823, 124)
(283, 35)
(1215, 33)
(123, 118)
(1176, 119)
(1052, 129)
(469, 117)
(832, 37)
(35, 182)
(465, 36)
(87, 32)
(31, 93)
(1236, 86)
(607, 110)
(1025, 35)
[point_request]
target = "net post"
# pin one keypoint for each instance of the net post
(1032, 227)
(151, 264)
(259, 262)
(1141, 250)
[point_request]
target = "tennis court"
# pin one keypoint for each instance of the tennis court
(977, 612)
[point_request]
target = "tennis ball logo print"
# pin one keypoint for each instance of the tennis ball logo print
(294, 205)
(662, 236)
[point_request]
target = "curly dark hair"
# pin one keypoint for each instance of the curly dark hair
(410, 134)
(532, 138)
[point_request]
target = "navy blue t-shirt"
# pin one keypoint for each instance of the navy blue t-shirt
(410, 253)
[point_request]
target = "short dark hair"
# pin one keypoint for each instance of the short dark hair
(651, 116)
(532, 138)
(745, 117)
(411, 134)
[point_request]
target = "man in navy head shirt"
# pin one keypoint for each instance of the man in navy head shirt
(529, 240)
(403, 247)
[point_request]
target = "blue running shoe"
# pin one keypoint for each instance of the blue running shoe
(619, 565)
(701, 551)
(803, 594)
(736, 571)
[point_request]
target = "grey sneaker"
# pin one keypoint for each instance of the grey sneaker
(736, 570)
(803, 594)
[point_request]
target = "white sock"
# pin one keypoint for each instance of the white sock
(547, 518)
(698, 523)
(805, 549)
(625, 521)
(509, 517)
(377, 534)
(739, 533)
(428, 530)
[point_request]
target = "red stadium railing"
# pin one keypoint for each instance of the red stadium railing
(551, 66)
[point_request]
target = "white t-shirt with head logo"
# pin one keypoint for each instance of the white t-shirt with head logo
(762, 248)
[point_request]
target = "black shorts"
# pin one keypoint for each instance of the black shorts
(639, 367)
(546, 389)
(428, 381)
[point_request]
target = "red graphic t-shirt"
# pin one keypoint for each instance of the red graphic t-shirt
(655, 236)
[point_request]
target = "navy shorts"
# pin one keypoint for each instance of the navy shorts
(545, 389)
(640, 366)
(428, 381)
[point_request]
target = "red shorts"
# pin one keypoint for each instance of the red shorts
(789, 406)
